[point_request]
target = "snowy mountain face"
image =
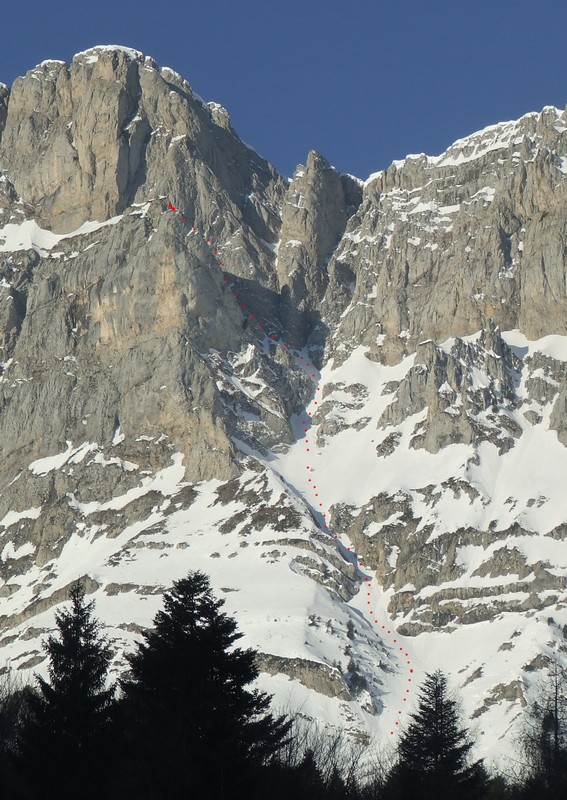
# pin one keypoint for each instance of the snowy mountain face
(344, 401)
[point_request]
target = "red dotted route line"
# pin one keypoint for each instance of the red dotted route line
(250, 317)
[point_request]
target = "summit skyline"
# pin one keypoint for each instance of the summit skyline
(363, 85)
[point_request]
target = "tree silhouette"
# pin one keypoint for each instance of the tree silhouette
(434, 752)
(544, 739)
(14, 710)
(66, 734)
(190, 725)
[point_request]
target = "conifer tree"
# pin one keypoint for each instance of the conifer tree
(14, 705)
(336, 788)
(544, 739)
(65, 740)
(434, 752)
(191, 726)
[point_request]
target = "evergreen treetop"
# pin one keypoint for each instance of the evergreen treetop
(66, 731)
(434, 752)
(186, 700)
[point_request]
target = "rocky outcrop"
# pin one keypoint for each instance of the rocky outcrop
(90, 140)
(460, 408)
(440, 245)
(319, 677)
(316, 208)
(84, 141)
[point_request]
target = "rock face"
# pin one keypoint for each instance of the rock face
(157, 368)
(84, 142)
(440, 245)
(315, 212)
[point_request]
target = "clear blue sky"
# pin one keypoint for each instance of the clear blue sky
(362, 81)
